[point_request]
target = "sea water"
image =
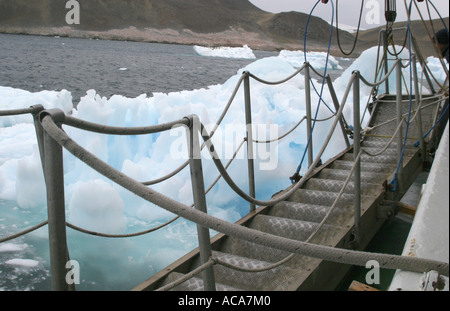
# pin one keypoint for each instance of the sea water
(147, 90)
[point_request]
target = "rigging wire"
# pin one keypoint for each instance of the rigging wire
(296, 176)
(357, 31)
(395, 179)
(439, 14)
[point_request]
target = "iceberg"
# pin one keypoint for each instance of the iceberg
(227, 52)
(316, 59)
(436, 68)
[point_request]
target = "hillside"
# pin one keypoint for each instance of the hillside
(369, 38)
(208, 22)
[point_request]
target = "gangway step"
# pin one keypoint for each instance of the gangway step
(302, 211)
(325, 198)
(246, 280)
(380, 143)
(252, 250)
(382, 168)
(332, 185)
(285, 227)
(366, 177)
(388, 152)
(386, 159)
(193, 284)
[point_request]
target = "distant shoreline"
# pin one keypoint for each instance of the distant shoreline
(232, 37)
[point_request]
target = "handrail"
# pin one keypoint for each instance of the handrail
(113, 130)
(287, 194)
(316, 251)
(26, 231)
(13, 112)
(383, 79)
(50, 119)
(280, 81)
(282, 136)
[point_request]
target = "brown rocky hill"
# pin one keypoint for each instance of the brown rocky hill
(209, 22)
(369, 38)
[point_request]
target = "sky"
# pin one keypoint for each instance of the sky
(373, 14)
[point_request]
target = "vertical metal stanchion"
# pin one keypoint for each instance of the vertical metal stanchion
(336, 106)
(386, 54)
(54, 179)
(198, 189)
(399, 120)
(308, 113)
(422, 64)
(250, 153)
(356, 150)
(418, 100)
(39, 131)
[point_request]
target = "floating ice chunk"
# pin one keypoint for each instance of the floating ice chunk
(12, 247)
(227, 52)
(28, 263)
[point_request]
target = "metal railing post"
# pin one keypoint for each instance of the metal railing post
(308, 113)
(422, 64)
(250, 153)
(356, 150)
(418, 100)
(39, 131)
(386, 54)
(198, 189)
(336, 106)
(54, 179)
(399, 120)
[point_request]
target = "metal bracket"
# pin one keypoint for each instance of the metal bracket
(56, 114)
(432, 281)
(387, 210)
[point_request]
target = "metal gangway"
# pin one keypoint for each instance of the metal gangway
(305, 237)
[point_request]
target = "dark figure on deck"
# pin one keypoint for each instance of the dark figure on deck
(441, 40)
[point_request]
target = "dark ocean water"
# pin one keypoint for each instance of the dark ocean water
(37, 63)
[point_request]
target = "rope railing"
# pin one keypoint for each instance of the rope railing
(21, 233)
(416, 114)
(384, 78)
(287, 194)
(283, 80)
(52, 139)
(274, 265)
(49, 120)
(14, 112)
(207, 265)
(123, 131)
(237, 231)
